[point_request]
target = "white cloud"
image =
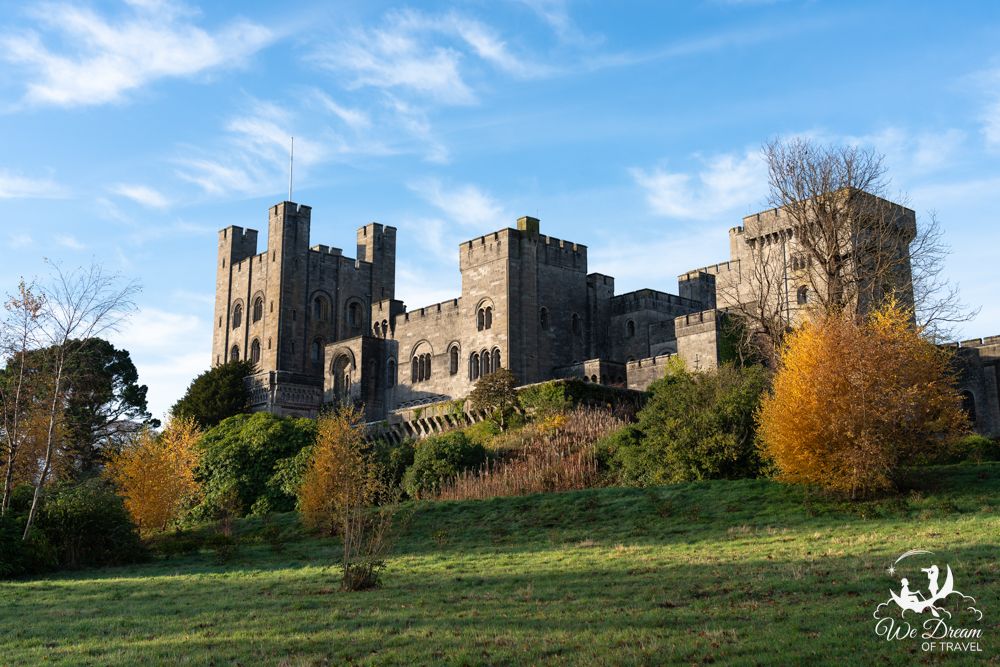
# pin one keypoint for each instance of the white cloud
(726, 184)
(354, 118)
(102, 59)
(169, 349)
(466, 204)
(19, 240)
(15, 186)
(556, 14)
(68, 241)
(141, 194)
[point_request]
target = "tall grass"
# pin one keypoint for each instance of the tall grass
(554, 455)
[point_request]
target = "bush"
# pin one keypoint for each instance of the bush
(392, 460)
(695, 426)
(496, 394)
(19, 558)
(482, 433)
(545, 399)
(87, 525)
(974, 447)
(243, 463)
(438, 459)
(854, 401)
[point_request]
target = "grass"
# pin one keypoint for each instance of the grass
(746, 572)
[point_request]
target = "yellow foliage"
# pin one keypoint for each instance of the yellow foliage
(854, 400)
(155, 475)
(339, 479)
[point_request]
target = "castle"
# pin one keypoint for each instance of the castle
(323, 328)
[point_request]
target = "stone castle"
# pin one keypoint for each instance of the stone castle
(323, 328)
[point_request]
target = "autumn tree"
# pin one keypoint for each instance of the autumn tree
(340, 492)
(156, 474)
(855, 399)
(496, 394)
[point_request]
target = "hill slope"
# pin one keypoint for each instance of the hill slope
(747, 572)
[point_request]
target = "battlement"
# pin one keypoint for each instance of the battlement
(649, 299)
(735, 230)
(978, 342)
(713, 269)
(449, 307)
(288, 208)
(658, 360)
(695, 320)
(326, 250)
(601, 279)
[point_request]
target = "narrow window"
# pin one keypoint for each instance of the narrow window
(474, 366)
(354, 315)
(543, 319)
(317, 351)
(484, 363)
(414, 369)
(318, 308)
(481, 319)
(391, 373)
(255, 351)
(803, 295)
(258, 309)
(234, 353)
(453, 360)
(575, 324)
(488, 318)
(630, 329)
(496, 359)
(427, 367)
(238, 316)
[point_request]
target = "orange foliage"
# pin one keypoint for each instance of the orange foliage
(854, 400)
(155, 475)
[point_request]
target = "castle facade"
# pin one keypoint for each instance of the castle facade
(323, 328)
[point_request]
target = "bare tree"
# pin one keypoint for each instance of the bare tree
(79, 304)
(833, 241)
(19, 329)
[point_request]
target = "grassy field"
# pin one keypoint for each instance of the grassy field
(746, 572)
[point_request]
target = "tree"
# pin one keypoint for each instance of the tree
(216, 394)
(833, 241)
(340, 491)
(78, 305)
(19, 329)
(496, 393)
(855, 399)
(438, 459)
(156, 474)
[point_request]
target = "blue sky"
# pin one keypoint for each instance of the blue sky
(130, 132)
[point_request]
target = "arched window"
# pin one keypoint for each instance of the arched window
(316, 352)
(630, 329)
(377, 329)
(496, 359)
(575, 324)
(489, 317)
(354, 315)
(234, 353)
(391, 373)
(803, 295)
(258, 309)
(238, 316)
(481, 319)
(255, 351)
(543, 319)
(318, 310)
(969, 405)
(385, 328)
(414, 370)
(485, 362)
(421, 368)
(453, 360)
(474, 366)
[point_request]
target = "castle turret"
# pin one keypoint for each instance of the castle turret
(235, 245)
(287, 249)
(377, 244)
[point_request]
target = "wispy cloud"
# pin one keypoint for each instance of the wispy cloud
(726, 183)
(141, 194)
(466, 205)
(16, 186)
(100, 59)
(557, 15)
(68, 241)
(19, 240)
(353, 118)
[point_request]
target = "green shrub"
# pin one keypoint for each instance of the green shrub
(244, 464)
(439, 458)
(482, 433)
(393, 459)
(216, 394)
(19, 558)
(695, 426)
(87, 525)
(546, 399)
(974, 447)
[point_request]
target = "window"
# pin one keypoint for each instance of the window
(474, 366)
(255, 351)
(453, 360)
(378, 330)
(258, 309)
(316, 352)
(238, 316)
(485, 363)
(420, 368)
(391, 372)
(484, 318)
(319, 311)
(803, 295)
(234, 353)
(543, 319)
(496, 359)
(575, 324)
(354, 315)
(969, 405)
(385, 328)
(630, 329)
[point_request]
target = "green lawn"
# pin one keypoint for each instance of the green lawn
(747, 572)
